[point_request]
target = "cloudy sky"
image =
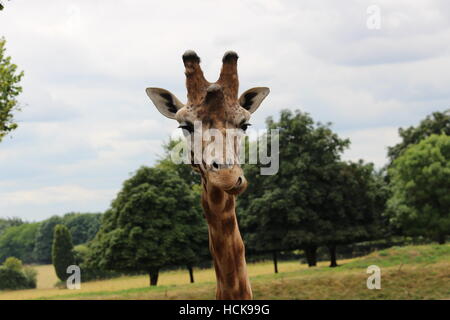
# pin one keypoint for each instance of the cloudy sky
(87, 124)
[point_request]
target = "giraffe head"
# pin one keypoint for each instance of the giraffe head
(213, 110)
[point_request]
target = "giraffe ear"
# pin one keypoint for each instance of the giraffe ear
(252, 98)
(165, 101)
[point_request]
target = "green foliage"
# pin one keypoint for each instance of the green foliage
(354, 205)
(426, 254)
(9, 90)
(183, 170)
(12, 280)
(18, 241)
(88, 271)
(9, 222)
(314, 199)
(31, 275)
(197, 250)
(285, 211)
(420, 183)
(62, 251)
(14, 277)
(412, 272)
(82, 227)
(2, 6)
(44, 238)
(13, 263)
(436, 123)
(153, 222)
(80, 252)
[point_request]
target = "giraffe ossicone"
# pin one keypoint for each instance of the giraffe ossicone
(216, 106)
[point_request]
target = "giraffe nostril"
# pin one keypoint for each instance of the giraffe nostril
(239, 182)
(215, 165)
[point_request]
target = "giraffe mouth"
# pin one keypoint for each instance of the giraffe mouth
(239, 187)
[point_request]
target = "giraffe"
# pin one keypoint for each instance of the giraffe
(217, 106)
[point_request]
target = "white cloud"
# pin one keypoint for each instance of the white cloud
(40, 203)
(370, 144)
(54, 194)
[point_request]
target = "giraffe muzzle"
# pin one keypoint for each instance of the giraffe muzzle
(239, 187)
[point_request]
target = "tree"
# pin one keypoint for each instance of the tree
(14, 277)
(148, 225)
(183, 170)
(196, 250)
(420, 183)
(62, 251)
(18, 241)
(436, 123)
(44, 239)
(13, 263)
(9, 90)
(263, 228)
(353, 206)
(9, 222)
(189, 239)
(82, 226)
(287, 212)
(2, 6)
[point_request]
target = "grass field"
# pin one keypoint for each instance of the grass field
(412, 272)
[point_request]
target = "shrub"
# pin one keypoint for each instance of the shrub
(13, 263)
(14, 277)
(31, 275)
(80, 253)
(91, 271)
(420, 180)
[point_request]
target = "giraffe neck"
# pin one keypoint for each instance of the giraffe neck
(226, 245)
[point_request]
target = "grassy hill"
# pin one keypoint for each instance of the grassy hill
(412, 272)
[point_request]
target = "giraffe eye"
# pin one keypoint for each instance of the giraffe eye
(245, 126)
(188, 128)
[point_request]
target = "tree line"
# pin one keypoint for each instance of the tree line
(31, 242)
(315, 200)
